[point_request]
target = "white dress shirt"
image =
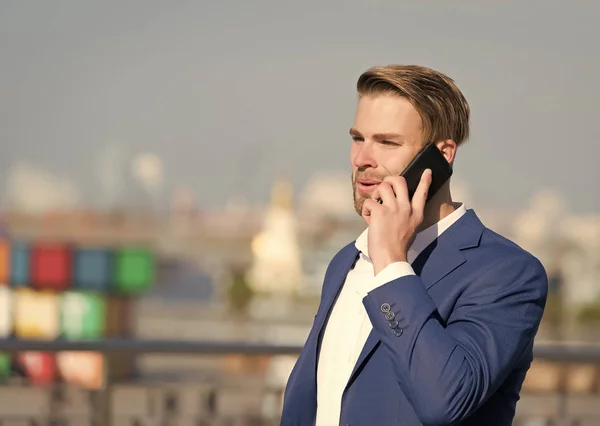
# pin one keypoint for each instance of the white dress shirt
(349, 326)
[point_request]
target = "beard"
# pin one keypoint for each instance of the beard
(359, 199)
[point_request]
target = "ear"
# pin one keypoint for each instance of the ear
(448, 148)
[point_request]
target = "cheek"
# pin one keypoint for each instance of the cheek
(353, 151)
(396, 165)
(392, 168)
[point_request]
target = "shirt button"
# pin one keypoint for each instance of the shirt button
(390, 316)
(386, 307)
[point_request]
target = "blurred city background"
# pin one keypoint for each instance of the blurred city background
(179, 171)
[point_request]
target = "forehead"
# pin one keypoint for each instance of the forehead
(387, 113)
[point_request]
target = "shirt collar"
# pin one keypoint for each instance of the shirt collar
(423, 238)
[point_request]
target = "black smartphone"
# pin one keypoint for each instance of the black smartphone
(430, 157)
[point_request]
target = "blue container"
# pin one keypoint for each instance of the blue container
(19, 264)
(93, 269)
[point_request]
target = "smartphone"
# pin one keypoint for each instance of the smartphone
(430, 157)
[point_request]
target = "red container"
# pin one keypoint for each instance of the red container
(4, 262)
(85, 369)
(40, 367)
(51, 266)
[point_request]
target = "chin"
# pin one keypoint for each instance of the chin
(358, 206)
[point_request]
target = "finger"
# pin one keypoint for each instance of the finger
(420, 196)
(400, 189)
(368, 206)
(385, 193)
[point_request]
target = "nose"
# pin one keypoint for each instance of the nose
(363, 155)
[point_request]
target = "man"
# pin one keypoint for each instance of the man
(428, 318)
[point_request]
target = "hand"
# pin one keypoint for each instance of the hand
(393, 223)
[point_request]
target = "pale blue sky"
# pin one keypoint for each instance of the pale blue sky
(231, 92)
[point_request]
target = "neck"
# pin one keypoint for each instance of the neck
(440, 206)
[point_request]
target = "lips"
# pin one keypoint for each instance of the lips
(367, 186)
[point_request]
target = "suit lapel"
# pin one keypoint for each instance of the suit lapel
(444, 254)
(371, 344)
(338, 277)
(435, 262)
(305, 384)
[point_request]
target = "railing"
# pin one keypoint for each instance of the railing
(558, 353)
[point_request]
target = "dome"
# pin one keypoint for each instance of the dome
(329, 193)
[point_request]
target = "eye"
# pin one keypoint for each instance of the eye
(389, 143)
(357, 139)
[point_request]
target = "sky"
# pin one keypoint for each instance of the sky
(232, 94)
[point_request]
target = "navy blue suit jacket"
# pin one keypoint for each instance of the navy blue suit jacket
(467, 321)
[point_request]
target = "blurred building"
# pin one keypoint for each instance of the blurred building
(32, 190)
(567, 244)
(277, 261)
(328, 194)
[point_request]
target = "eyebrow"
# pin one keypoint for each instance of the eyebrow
(378, 136)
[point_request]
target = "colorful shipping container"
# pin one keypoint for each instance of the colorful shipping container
(57, 290)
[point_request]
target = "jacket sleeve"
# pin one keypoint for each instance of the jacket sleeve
(448, 370)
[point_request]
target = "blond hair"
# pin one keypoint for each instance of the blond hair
(443, 109)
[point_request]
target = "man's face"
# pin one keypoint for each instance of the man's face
(387, 134)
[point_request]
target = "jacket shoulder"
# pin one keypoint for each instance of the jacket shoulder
(508, 251)
(504, 266)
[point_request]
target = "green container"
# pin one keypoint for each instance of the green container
(4, 366)
(134, 269)
(82, 316)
